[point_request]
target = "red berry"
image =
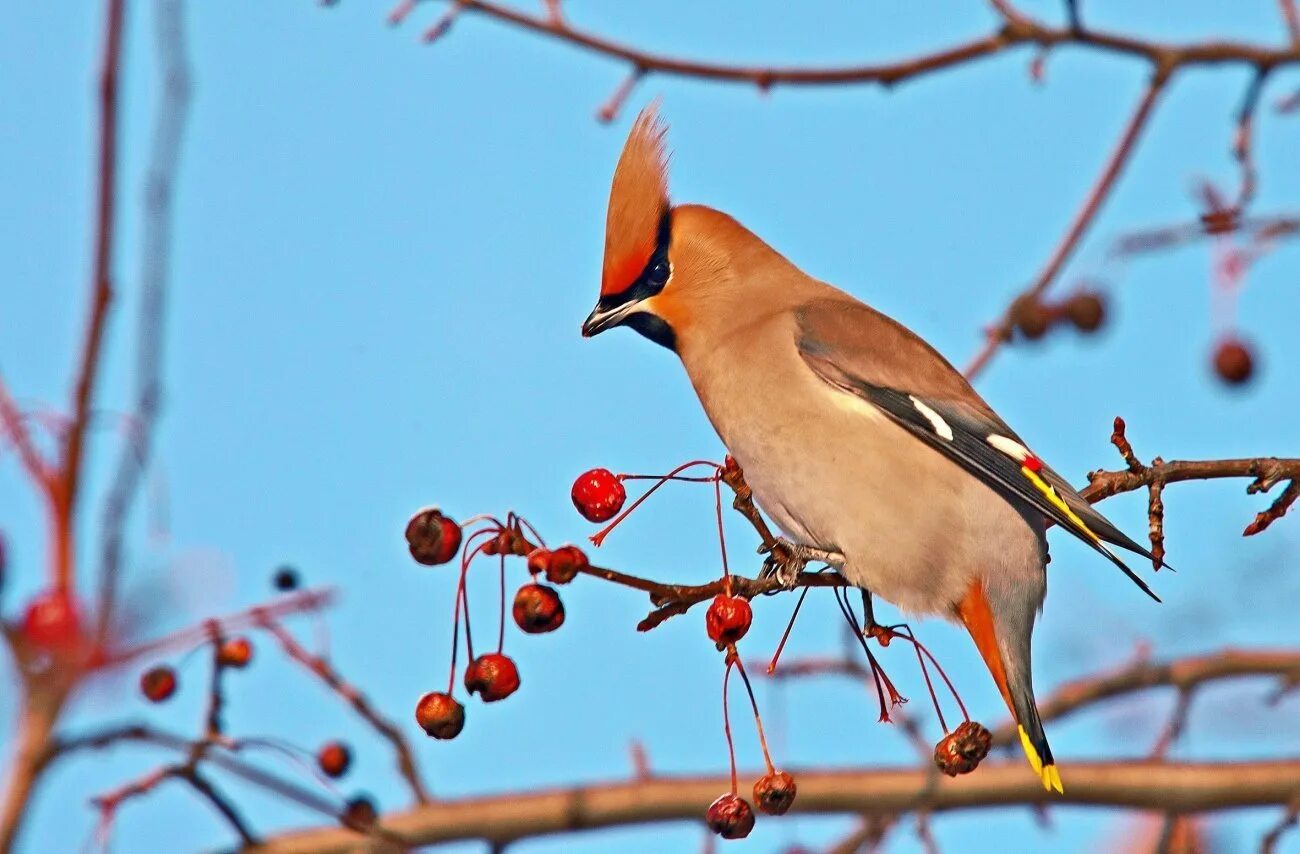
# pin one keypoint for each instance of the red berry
(439, 715)
(598, 494)
(962, 750)
(493, 677)
(53, 620)
(235, 652)
(360, 814)
(1086, 310)
(728, 619)
(432, 537)
(1233, 361)
(774, 793)
(1031, 317)
(565, 563)
(158, 683)
(334, 759)
(730, 816)
(538, 609)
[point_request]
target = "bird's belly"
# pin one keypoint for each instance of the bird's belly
(914, 528)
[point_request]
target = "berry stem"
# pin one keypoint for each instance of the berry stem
(722, 537)
(937, 666)
(599, 537)
(726, 724)
(501, 630)
(785, 636)
(758, 720)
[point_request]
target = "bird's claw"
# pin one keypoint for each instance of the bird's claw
(785, 561)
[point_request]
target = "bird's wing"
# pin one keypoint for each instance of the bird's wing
(861, 352)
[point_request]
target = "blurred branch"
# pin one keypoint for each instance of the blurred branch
(1186, 674)
(169, 126)
(1000, 332)
(354, 698)
(1292, 19)
(68, 482)
(1133, 784)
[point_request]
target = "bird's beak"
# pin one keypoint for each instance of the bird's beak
(603, 317)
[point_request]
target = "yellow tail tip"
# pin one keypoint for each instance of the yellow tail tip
(1047, 773)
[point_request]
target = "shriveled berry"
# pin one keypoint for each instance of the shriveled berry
(565, 563)
(598, 494)
(432, 537)
(1233, 361)
(53, 620)
(492, 676)
(334, 759)
(1087, 311)
(962, 750)
(360, 813)
(730, 816)
(235, 652)
(440, 715)
(158, 683)
(1030, 317)
(285, 579)
(728, 619)
(774, 793)
(538, 609)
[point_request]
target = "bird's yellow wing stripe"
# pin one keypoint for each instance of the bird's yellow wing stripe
(1059, 503)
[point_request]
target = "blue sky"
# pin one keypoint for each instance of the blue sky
(384, 250)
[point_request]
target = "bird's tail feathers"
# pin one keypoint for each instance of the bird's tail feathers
(1009, 665)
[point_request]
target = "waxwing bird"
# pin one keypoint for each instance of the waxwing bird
(855, 435)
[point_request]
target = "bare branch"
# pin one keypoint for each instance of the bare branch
(1186, 787)
(169, 125)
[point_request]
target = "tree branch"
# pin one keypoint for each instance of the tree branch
(1180, 787)
(1000, 332)
(169, 125)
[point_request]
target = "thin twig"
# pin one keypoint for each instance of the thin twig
(353, 697)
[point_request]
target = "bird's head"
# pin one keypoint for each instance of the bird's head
(638, 265)
(670, 272)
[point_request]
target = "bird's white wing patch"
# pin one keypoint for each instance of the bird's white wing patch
(936, 420)
(1010, 447)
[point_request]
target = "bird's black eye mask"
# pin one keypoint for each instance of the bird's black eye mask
(652, 281)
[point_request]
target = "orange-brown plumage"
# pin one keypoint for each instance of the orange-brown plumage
(638, 200)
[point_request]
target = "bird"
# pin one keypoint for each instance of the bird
(855, 435)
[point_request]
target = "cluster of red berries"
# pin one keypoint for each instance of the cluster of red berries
(1031, 317)
(434, 538)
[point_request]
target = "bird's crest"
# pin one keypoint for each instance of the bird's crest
(638, 202)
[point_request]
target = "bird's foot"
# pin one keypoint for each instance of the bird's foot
(785, 560)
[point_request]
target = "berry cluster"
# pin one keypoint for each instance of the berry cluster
(433, 539)
(1032, 318)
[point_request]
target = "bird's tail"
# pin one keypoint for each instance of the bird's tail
(1008, 662)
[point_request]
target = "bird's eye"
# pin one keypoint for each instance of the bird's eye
(658, 275)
